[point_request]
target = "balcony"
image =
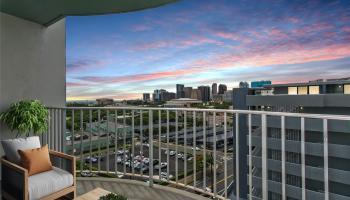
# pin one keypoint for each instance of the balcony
(113, 145)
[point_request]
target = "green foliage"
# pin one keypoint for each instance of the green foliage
(27, 116)
(113, 196)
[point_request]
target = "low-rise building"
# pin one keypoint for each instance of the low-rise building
(182, 103)
(104, 101)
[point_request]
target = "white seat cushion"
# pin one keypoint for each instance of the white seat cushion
(12, 146)
(43, 184)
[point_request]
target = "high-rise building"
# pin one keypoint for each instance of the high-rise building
(146, 97)
(187, 92)
(157, 94)
(304, 139)
(205, 93)
(222, 88)
(167, 96)
(196, 94)
(227, 96)
(180, 93)
(214, 88)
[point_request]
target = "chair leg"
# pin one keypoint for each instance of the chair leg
(72, 195)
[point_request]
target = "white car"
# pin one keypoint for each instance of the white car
(208, 189)
(164, 175)
(86, 173)
(180, 155)
(127, 164)
(190, 158)
(172, 153)
(119, 159)
(197, 148)
(162, 165)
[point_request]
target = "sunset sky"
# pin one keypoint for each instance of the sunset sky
(198, 42)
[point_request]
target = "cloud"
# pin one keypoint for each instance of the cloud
(76, 84)
(83, 64)
(179, 42)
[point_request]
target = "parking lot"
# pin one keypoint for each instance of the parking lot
(141, 161)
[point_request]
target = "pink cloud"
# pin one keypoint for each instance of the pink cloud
(293, 20)
(75, 84)
(178, 43)
(227, 35)
(346, 29)
(275, 32)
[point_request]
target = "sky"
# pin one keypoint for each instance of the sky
(199, 42)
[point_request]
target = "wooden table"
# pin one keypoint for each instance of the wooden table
(93, 194)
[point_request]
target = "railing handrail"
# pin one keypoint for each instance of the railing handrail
(233, 111)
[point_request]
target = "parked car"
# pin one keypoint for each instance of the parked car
(86, 173)
(92, 159)
(160, 166)
(145, 160)
(197, 148)
(172, 153)
(180, 155)
(119, 159)
(164, 175)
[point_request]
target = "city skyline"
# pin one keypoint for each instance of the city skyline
(124, 55)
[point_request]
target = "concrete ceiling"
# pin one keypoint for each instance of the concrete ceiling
(46, 12)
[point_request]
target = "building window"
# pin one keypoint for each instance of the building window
(314, 89)
(302, 90)
(292, 90)
(346, 89)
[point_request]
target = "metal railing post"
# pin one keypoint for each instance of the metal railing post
(150, 140)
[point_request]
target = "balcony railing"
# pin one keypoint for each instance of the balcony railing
(208, 151)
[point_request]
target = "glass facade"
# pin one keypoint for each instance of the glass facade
(314, 89)
(302, 90)
(292, 90)
(347, 89)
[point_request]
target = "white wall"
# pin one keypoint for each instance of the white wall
(32, 63)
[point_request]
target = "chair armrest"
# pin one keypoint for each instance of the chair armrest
(14, 180)
(61, 155)
(13, 166)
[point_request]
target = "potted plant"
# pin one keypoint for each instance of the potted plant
(25, 117)
(113, 196)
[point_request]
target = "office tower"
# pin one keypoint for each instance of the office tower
(323, 97)
(222, 88)
(157, 94)
(180, 91)
(146, 97)
(187, 92)
(214, 88)
(167, 96)
(227, 96)
(205, 93)
(196, 94)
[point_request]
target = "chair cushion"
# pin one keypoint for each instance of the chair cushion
(46, 183)
(36, 160)
(11, 147)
